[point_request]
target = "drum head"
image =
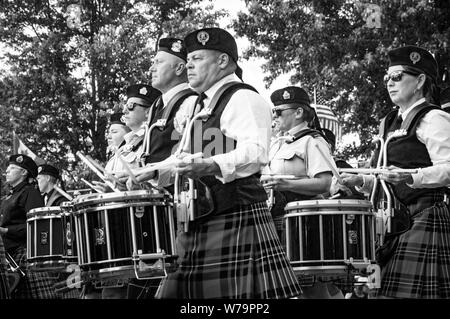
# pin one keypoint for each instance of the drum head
(329, 204)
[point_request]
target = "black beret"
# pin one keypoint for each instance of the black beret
(46, 169)
(116, 118)
(143, 91)
(289, 95)
(416, 58)
(212, 39)
(25, 162)
(445, 96)
(173, 46)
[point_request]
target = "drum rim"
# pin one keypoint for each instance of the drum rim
(328, 213)
(90, 199)
(45, 209)
(330, 203)
(117, 205)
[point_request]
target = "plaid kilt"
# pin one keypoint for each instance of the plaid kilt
(234, 255)
(35, 285)
(420, 266)
(4, 285)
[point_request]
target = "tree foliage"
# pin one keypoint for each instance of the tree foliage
(334, 47)
(66, 73)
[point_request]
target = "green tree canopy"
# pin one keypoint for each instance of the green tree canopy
(69, 63)
(340, 48)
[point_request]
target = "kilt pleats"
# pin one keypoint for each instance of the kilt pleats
(420, 267)
(4, 285)
(235, 255)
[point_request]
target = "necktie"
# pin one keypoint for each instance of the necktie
(200, 104)
(158, 106)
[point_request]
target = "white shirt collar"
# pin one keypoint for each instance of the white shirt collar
(404, 114)
(128, 137)
(213, 89)
(298, 128)
(166, 97)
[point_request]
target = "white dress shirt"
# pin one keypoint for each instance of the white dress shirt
(433, 131)
(247, 119)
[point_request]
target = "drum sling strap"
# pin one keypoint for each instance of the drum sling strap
(401, 221)
(205, 204)
(52, 198)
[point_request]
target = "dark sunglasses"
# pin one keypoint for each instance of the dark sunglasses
(277, 112)
(397, 76)
(130, 105)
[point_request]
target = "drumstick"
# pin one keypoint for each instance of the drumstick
(330, 165)
(377, 170)
(59, 190)
(268, 177)
(95, 169)
(168, 163)
(127, 168)
(106, 174)
(91, 185)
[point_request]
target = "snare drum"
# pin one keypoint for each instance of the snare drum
(70, 254)
(124, 234)
(327, 235)
(44, 239)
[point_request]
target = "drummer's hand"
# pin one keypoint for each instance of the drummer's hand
(351, 180)
(197, 167)
(276, 184)
(396, 178)
(3, 230)
(131, 185)
(337, 187)
(145, 176)
(101, 187)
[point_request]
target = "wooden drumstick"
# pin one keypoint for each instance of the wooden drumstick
(378, 170)
(127, 168)
(269, 177)
(59, 190)
(330, 165)
(91, 185)
(96, 171)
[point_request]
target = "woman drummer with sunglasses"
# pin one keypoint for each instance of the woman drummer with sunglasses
(418, 266)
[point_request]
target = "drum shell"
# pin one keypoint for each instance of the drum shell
(114, 229)
(329, 233)
(44, 239)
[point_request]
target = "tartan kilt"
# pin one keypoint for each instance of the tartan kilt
(35, 285)
(420, 266)
(4, 284)
(234, 255)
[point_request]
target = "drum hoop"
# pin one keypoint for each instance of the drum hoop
(44, 256)
(33, 218)
(38, 210)
(340, 213)
(332, 203)
(118, 205)
(119, 196)
(108, 261)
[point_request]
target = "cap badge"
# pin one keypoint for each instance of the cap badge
(143, 91)
(203, 37)
(19, 159)
(176, 46)
(415, 57)
(40, 169)
(286, 95)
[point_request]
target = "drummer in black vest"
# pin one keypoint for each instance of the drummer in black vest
(48, 177)
(231, 249)
(24, 195)
(168, 76)
(445, 99)
(418, 264)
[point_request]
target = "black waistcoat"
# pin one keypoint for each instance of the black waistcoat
(163, 139)
(242, 191)
(407, 151)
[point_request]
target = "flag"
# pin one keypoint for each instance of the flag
(20, 148)
(326, 116)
